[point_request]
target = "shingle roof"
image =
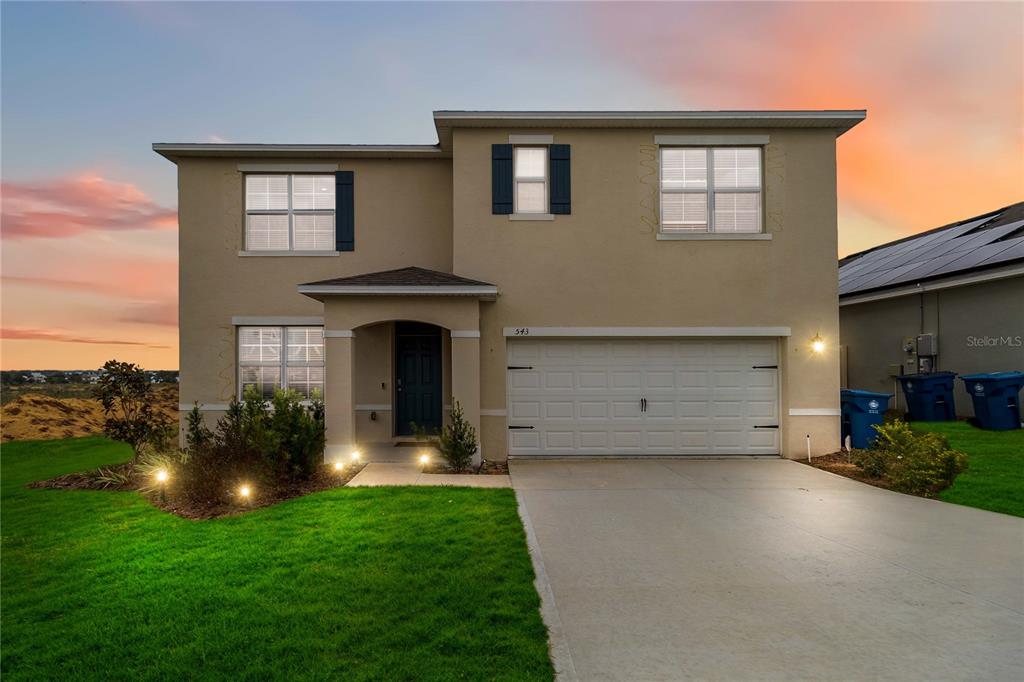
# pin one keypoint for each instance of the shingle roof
(402, 277)
(986, 241)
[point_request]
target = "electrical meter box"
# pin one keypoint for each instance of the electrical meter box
(927, 345)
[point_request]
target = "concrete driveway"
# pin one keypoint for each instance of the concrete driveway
(766, 569)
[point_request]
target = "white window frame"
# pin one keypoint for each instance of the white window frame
(291, 212)
(546, 206)
(282, 363)
(709, 189)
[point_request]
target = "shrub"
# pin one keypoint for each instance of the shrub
(126, 394)
(917, 463)
(252, 444)
(458, 440)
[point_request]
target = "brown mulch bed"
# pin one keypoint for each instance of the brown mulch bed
(324, 479)
(486, 468)
(839, 463)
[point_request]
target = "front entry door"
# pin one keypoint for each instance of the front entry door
(418, 377)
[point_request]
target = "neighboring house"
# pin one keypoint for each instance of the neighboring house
(951, 299)
(583, 283)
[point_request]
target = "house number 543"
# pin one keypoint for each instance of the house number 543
(522, 331)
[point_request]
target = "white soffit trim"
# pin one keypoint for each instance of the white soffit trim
(411, 290)
(814, 412)
(961, 281)
(287, 167)
(465, 334)
(531, 139)
(526, 332)
(280, 320)
(339, 333)
(703, 140)
(373, 408)
(493, 413)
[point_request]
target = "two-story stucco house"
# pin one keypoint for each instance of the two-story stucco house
(583, 283)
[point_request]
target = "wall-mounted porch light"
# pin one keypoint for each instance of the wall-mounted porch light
(818, 344)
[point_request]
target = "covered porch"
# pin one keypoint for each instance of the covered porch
(402, 346)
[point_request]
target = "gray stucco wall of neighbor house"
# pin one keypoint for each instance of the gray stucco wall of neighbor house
(980, 328)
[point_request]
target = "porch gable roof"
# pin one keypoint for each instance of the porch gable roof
(410, 281)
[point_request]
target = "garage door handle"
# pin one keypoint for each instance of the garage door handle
(519, 367)
(765, 367)
(511, 427)
(770, 426)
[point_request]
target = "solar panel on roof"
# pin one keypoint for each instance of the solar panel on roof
(969, 245)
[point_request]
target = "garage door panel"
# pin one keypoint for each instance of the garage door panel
(582, 397)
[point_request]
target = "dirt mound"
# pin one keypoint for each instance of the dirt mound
(40, 417)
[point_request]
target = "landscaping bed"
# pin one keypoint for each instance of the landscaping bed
(486, 468)
(125, 477)
(346, 583)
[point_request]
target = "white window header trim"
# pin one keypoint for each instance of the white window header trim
(287, 167)
(279, 321)
(710, 140)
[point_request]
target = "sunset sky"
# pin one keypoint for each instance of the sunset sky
(89, 235)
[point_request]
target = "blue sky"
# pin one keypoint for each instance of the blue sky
(89, 211)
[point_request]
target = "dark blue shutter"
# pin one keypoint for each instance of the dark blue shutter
(561, 185)
(501, 179)
(344, 211)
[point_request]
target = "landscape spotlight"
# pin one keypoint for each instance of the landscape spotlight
(424, 458)
(339, 465)
(244, 491)
(161, 475)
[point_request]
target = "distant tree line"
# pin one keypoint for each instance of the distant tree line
(14, 377)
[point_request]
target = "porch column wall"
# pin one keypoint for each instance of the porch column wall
(339, 397)
(466, 381)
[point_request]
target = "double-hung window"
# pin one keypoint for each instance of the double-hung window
(530, 169)
(711, 190)
(289, 213)
(270, 358)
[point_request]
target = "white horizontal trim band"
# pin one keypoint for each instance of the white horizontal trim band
(713, 236)
(531, 139)
(293, 254)
(710, 139)
(493, 413)
(963, 280)
(339, 333)
(465, 334)
(288, 167)
(203, 407)
(373, 408)
(527, 332)
(278, 320)
(414, 290)
(814, 412)
(530, 217)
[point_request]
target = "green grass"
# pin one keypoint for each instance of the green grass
(994, 479)
(372, 583)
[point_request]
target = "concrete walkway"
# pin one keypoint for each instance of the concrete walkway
(670, 569)
(379, 473)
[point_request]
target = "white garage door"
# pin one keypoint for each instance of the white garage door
(643, 397)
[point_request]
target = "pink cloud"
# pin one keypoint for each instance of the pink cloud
(158, 313)
(19, 334)
(82, 203)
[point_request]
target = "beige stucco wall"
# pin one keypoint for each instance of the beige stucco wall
(602, 266)
(403, 217)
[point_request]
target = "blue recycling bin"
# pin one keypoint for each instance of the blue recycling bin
(996, 399)
(929, 396)
(861, 410)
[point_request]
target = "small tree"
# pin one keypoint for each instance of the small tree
(458, 440)
(127, 398)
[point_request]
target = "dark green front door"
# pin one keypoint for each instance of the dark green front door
(418, 376)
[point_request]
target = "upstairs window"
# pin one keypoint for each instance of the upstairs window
(530, 170)
(711, 189)
(289, 213)
(270, 358)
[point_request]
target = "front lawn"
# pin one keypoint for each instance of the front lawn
(353, 583)
(994, 479)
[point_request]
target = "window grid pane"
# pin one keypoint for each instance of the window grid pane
(738, 212)
(531, 163)
(530, 197)
(314, 232)
(259, 345)
(305, 345)
(684, 169)
(266, 380)
(266, 192)
(263, 365)
(737, 168)
(267, 232)
(312, 192)
(305, 379)
(684, 212)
